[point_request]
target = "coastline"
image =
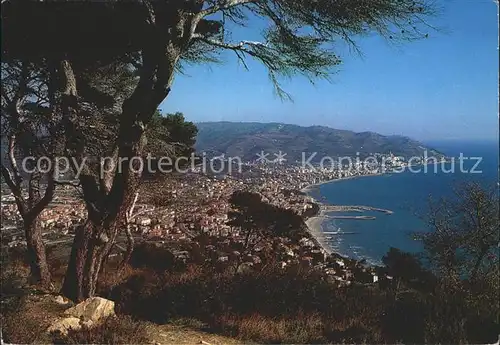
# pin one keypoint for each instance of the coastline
(309, 188)
(315, 228)
(315, 223)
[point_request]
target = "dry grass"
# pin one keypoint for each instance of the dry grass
(14, 277)
(295, 305)
(187, 334)
(301, 329)
(115, 330)
(28, 317)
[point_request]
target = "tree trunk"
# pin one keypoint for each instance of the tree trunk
(107, 208)
(130, 248)
(91, 247)
(73, 286)
(477, 265)
(39, 268)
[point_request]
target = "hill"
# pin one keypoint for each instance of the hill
(247, 139)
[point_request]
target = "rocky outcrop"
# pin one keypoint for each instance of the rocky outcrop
(93, 309)
(62, 301)
(63, 325)
(88, 313)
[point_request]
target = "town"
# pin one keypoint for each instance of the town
(174, 212)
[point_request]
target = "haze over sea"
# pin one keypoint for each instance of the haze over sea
(407, 194)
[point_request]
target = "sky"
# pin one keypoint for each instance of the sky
(444, 87)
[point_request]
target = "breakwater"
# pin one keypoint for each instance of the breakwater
(353, 208)
(351, 217)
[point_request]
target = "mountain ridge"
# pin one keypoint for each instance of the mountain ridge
(247, 139)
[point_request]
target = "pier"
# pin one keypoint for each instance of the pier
(353, 208)
(351, 217)
(339, 233)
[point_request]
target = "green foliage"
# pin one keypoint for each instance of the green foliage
(262, 220)
(153, 257)
(25, 115)
(462, 248)
(222, 301)
(463, 243)
(171, 135)
(257, 305)
(101, 91)
(407, 268)
(299, 37)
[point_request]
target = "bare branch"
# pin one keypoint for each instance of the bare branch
(47, 197)
(241, 58)
(13, 161)
(67, 183)
(141, 212)
(258, 50)
(224, 5)
(232, 46)
(16, 190)
(108, 170)
(131, 210)
(130, 247)
(128, 232)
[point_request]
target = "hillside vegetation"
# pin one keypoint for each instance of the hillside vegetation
(245, 140)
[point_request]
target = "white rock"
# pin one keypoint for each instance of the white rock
(145, 221)
(61, 300)
(63, 325)
(94, 309)
(87, 324)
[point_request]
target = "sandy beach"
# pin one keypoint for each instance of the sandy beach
(315, 223)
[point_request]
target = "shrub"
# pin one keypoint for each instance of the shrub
(299, 329)
(299, 305)
(15, 271)
(115, 330)
(151, 256)
(21, 328)
(27, 317)
(275, 305)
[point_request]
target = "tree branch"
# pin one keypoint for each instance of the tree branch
(67, 183)
(46, 199)
(141, 212)
(232, 46)
(13, 163)
(128, 232)
(224, 5)
(131, 210)
(16, 190)
(263, 52)
(107, 175)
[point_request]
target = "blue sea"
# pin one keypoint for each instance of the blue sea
(407, 195)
